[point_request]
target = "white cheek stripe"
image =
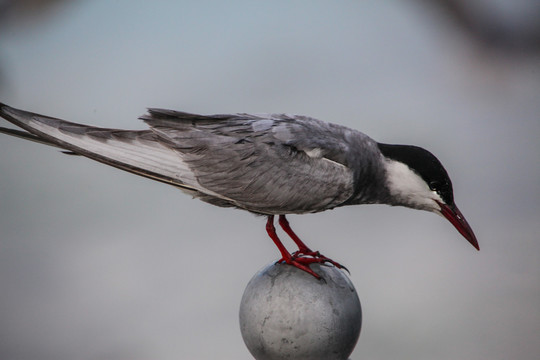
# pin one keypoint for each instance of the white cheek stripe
(409, 188)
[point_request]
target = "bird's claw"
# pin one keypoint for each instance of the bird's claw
(317, 257)
(302, 264)
(301, 259)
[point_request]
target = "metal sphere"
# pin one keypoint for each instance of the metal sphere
(285, 313)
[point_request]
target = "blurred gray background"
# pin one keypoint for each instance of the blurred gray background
(96, 263)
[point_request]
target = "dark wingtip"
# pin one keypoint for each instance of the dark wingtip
(7, 111)
(4, 111)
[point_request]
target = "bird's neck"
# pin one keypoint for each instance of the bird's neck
(370, 184)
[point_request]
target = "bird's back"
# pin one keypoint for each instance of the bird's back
(270, 164)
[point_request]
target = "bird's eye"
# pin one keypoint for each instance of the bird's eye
(435, 185)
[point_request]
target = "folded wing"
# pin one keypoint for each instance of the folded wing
(254, 162)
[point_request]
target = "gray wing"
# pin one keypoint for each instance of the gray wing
(269, 164)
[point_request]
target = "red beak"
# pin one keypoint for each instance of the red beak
(452, 213)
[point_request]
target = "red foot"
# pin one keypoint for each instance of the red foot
(303, 250)
(304, 256)
(302, 264)
(317, 257)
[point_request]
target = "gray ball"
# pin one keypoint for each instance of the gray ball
(285, 313)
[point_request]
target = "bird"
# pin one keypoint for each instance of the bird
(271, 165)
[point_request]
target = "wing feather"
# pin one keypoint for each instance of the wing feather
(139, 152)
(246, 158)
(264, 163)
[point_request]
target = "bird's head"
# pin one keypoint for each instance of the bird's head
(416, 178)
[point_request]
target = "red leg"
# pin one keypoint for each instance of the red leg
(285, 255)
(303, 250)
(271, 230)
